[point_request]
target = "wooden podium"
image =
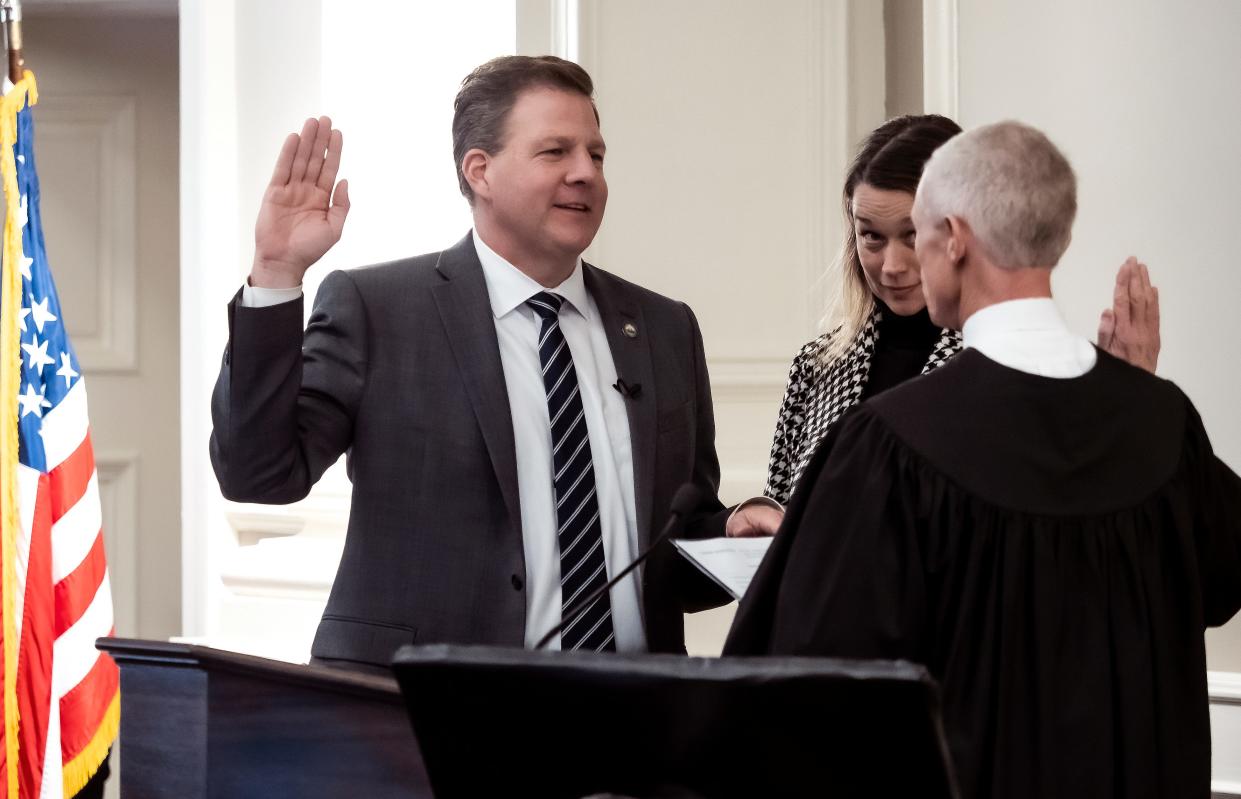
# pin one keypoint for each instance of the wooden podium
(200, 722)
(565, 725)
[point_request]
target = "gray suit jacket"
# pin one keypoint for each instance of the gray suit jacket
(399, 367)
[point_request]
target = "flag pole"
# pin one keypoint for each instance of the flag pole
(10, 358)
(11, 13)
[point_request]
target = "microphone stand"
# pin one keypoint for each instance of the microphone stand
(685, 500)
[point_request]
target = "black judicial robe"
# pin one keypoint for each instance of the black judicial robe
(1051, 549)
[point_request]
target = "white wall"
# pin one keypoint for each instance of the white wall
(729, 124)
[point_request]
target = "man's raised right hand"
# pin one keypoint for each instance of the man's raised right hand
(1130, 328)
(301, 217)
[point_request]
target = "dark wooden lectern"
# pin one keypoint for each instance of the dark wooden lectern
(200, 722)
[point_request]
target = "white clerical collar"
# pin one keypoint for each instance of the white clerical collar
(1029, 335)
(508, 287)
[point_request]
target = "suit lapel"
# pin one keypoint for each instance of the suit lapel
(631, 354)
(465, 310)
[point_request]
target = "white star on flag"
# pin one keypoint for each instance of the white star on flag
(41, 314)
(21, 318)
(32, 402)
(66, 369)
(25, 266)
(37, 353)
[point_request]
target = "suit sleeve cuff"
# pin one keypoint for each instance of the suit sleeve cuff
(259, 297)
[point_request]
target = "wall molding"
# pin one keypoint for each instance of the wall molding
(827, 25)
(284, 553)
(118, 497)
(847, 66)
(748, 379)
(297, 568)
(1224, 687)
(1224, 690)
(322, 513)
(549, 26)
(941, 58)
(566, 29)
(110, 123)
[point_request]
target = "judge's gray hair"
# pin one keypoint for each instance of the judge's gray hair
(1011, 185)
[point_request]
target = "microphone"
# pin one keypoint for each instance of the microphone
(627, 390)
(684, 500)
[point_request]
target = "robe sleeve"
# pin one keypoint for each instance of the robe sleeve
(844, 575)
(1217, 525)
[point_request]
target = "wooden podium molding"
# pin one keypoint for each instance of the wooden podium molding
(201, 722)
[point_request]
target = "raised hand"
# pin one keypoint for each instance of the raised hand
(1130, 328)
(301, 216)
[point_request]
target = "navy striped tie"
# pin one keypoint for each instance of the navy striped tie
(582, 565)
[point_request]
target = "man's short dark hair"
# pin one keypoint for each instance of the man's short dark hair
(489, 93)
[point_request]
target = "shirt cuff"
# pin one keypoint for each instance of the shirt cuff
(259, 297)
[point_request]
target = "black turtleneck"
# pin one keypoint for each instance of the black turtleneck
(903, 347)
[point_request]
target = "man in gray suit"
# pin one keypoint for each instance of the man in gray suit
(516, 420)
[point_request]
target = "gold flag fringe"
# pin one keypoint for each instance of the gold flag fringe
(10, 376)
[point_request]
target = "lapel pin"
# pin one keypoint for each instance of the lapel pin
(630, 330)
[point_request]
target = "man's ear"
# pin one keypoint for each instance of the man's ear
(959, 239)
(474, 166)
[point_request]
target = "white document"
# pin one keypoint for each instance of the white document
(731, 562)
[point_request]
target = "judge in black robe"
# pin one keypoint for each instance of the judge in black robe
(1051, 547)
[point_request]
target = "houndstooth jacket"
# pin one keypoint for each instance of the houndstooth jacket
(818, 394)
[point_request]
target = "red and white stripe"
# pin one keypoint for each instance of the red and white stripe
(65, 684)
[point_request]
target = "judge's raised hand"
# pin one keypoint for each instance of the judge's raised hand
(1130, 328)
(301, 217)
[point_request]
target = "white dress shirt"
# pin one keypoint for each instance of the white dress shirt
(259, 297)
(607, 424)
(1030, 336)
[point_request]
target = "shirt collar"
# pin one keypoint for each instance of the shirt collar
(508, 287)
(1032, 315)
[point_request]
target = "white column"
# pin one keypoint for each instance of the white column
(209, 267)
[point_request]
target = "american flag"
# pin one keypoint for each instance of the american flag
(61, 695)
